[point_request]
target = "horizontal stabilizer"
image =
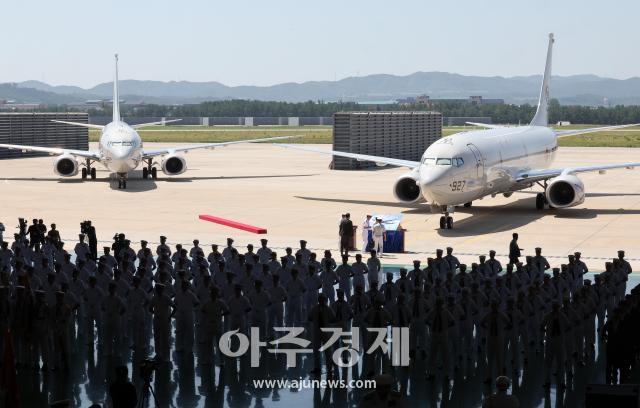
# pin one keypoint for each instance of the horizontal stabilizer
(574, 132)
(484, 125)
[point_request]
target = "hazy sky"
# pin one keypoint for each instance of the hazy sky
(241, 42)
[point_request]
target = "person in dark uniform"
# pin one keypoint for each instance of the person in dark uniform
(34, 233)
(514, 250)
(90, 230)
(54, 234)
(346, 232)
(384, 395)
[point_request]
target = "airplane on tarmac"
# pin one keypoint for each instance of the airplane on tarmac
(468, 166)
(120, 149)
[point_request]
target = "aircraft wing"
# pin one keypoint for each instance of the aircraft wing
(55, 151)
(86, 125)
(573, 132)
(170, 150)
(540, 175)
(484, 125)
(162, 122)
(360, 157)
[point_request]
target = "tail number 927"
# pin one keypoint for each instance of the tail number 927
(458, 185)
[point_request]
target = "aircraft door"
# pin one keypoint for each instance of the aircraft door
(479, 160)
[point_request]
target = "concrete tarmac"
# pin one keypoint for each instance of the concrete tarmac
(295, 196)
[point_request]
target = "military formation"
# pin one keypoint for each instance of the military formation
(488, 314)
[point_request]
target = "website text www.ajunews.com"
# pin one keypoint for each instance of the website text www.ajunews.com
(302, 383)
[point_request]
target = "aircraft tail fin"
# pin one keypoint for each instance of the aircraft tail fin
(542, 117)
(116, 95)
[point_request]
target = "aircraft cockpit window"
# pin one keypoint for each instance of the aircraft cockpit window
(458, 162)
(428, 161)
(443, 162)
(122, 143)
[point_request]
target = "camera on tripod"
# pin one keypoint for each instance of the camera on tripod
(84, 227)
(146, 369)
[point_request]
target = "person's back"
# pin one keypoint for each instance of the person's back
(501, 399)
(121, 391)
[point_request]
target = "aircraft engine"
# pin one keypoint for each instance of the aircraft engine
(65, 166)
(173, 165)
(407, 190)
(565, 191)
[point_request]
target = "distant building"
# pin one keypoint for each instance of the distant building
(428, 101)
(563, 123)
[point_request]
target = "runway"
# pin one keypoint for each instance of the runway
(295, 196)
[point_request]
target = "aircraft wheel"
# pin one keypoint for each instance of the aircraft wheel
(93, 173)
(540, 199)
(449, 223)
(469, 204)
(84, 173)
(443, 222)
(154, 173)
(124, 184)
(145, 173)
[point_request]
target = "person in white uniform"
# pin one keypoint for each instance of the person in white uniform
(379, 235)
(366, 228)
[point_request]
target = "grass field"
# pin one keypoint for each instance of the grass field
(324, 135)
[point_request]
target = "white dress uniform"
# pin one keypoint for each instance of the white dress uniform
(312, 285)
(366, 227)
(374, 267)
(212, 314)
(113, 308)
(359, 270)
(81, 250)
(93, 297)
(329, 279)
(378, 237)
(186, 302)
(295, 290)
(345, 272)
(239, 307)
(276, 311)
(137, 301)
(161, 306)
(260, 302)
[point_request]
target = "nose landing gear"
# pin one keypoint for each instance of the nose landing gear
(122, 181)
(446, 221)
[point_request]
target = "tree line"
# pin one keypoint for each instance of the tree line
(505, 113)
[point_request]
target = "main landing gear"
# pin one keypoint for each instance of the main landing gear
(541, 198)
(122, 181)
(149, 170)
(88, 171)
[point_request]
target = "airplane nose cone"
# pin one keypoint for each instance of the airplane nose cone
(432, 176)
(432, 182)
(120, 154)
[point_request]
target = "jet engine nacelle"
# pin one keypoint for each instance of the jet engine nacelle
(407, 190)
(65, 166)
(566, 190)
(173, 165)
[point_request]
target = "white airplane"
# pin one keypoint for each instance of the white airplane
(468, 166)
(120, 149)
